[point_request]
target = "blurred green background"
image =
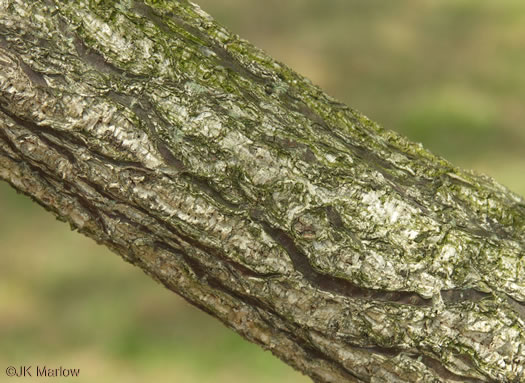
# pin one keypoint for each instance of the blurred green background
(447, 73)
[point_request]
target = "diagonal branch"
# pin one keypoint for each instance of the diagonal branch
(348, 251)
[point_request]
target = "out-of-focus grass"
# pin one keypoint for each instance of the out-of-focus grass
(447, 73)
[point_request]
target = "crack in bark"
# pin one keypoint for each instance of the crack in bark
(226, 58)
(462, 295)
(369, 157)
(244, 270)
(307, 155)
(40, 131)
(94, 58)
(390, 352)
(203, 185)
(444, 373)
(71, 190)
(336, 285)
(475, 228)
(7, 139)
(74, 141)
(519, 307)
(169, 157)
(37, 78)
(96, 217)
(383, 166)
(203, 273)
(304, 344)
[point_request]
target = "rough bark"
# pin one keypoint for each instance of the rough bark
(348, 251)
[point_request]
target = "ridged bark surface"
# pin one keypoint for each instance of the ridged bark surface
(351, 253)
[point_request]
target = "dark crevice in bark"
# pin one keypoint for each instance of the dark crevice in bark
(36, 78)
(385, 168)
(519, 307)
(50, 140)
(40, 132)
(237, 266)
(92, 211)
(169, 157)
(366, 155)
(142, 108)
(462, 295)
(43, 183)
(169, 285)
(305, 345)
(7, 139)
(9, 156)
(389, 352)
(94, 58)
(63, 136)
(108, 196)
(395, 185)
(226, 59)
(91, 56)
(444, 373)
(334, 217)
(202, 184)
(251, 301)
(244, 270)
(50, 181)
(333, 284)
(198, 270)
(284, 143)
(69, 189)
(129, 102)
(203, 273)
(337, 223)
(318, 354)
(3, 43)
(121, 218)
(475, 228)
(193, 242)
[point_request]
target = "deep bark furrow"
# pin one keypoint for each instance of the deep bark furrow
(333, 284)
(175, 233)
(308, 348)
(462, 295)
(436, 366)
(6, 140)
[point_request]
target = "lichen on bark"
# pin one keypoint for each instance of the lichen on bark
(348, 251)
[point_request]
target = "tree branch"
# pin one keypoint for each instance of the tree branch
(348, 251)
